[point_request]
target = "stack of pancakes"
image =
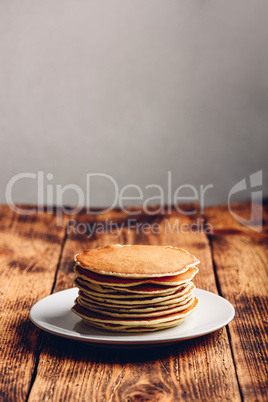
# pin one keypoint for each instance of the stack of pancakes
(135, 288)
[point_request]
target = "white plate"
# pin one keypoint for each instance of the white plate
(53, 314)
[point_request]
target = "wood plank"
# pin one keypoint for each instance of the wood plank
(200, 369)
(222, 221)
(29, 252)
(241, 265)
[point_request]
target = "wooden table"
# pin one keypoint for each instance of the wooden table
(36, 259)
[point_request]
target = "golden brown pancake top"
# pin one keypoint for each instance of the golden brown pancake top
(137, 261)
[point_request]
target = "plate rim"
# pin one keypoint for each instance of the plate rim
(131, 342)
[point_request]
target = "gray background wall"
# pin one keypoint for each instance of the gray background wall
(133, 88)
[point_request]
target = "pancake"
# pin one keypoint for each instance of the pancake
(138, 261)
(137, 315)
(108, 280)
(131, 299)
(98, 318)
(135, 288)
(146, 289)
(113, 304)
(138, 308)
(140, 329)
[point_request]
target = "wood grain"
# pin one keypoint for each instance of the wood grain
(241, 266)
(206, 368)
(222, 219)
(200, 369)
(29, 253)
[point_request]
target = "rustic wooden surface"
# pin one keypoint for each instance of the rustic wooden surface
(36, 259)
